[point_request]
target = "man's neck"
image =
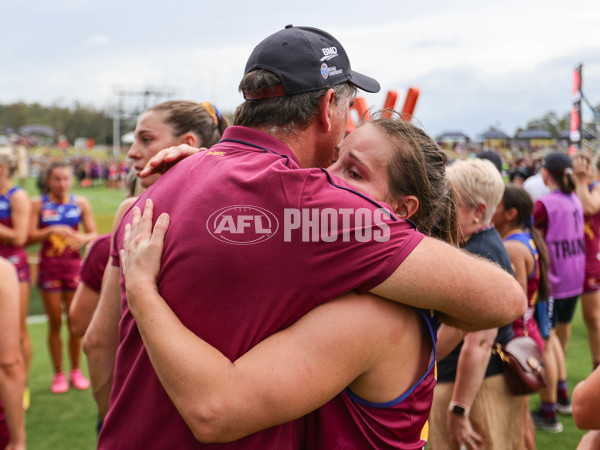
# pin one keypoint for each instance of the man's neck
(302, 143)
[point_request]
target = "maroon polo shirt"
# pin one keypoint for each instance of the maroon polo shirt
(94, 264)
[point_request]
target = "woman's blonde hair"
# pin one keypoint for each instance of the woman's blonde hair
(8, 161)
(477, 181)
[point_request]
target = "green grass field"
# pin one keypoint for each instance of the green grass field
(57, 422)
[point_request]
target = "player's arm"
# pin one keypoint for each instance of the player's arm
(472, 363)
(448, 339)
(36, 235)
(79, 239)
(101, 339)
(583, 174)
(167, 158)
(586, 397)
(519, 254)
(437, 276)
(20, 207)
(590, 200)
(82, 308)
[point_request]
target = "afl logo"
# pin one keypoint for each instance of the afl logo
(324, 70)
(242, 225)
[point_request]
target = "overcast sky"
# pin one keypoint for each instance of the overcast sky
(476, 63)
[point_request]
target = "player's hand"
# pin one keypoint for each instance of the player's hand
(75, 242)
(582, 168)
(167, 158)
(63, 231)
(142, 250)
(461, 433)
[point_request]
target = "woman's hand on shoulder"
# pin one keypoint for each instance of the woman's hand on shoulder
(142, 250)
(167, 158)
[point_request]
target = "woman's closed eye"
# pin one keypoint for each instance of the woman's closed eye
(354, 174)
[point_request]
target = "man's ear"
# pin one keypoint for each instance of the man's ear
(326, 110)
(407, 206)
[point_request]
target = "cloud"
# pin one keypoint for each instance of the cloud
(421, 45)
(97, 39)
(475, 63)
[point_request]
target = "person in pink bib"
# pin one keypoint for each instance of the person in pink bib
(559, 215)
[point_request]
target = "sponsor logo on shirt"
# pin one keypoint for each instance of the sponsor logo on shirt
(50, 215)
(74, 212)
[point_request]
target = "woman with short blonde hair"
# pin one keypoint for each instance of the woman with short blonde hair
(473, 406)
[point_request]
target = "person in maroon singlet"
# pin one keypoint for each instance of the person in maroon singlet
(587, 187)
(55, 222)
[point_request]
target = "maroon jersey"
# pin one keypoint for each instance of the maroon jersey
(94, 264)
(350, 422)
(245, 256)
(4, 437)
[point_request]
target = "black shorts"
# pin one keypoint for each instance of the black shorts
(563, 310)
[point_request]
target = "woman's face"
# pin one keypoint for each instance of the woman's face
(59, 181)
(469, 219)
(152, 134)
(362, 161)
(499, 218)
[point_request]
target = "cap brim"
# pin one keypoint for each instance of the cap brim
(364, 82)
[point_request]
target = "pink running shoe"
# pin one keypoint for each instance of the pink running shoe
(59, 384)
(78, 381)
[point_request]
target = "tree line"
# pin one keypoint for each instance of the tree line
(85, 121)
(76, 121)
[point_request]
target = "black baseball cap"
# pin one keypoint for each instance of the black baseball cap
(492, 156)
(557, 162)
(305, 59)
